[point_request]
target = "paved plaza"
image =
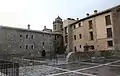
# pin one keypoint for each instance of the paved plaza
(109, 67)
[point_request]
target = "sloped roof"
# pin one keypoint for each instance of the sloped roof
(25, 30)
(97, 14)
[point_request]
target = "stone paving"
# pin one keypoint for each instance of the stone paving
(109, 67)
(74, 66)
(103, 71)
(39, 70)
(70, 74)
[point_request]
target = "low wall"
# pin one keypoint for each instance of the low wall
(82, 56)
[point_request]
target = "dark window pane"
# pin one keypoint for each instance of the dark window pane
(66, 39)
(92, 47)
(20, 35)
(80, 36)
(91, 36)
(55, 37)
(42, 43)
(79, 24)
(108, 20)
(32, 37)
(74, 26)
(26, 46)
(109, 32)
(75, 49)
(66, 31)
(61, 26)
(80, 46)
(90, 24)
(55, 27)
(32, 47)
(27, 36)
(110, 43)
(74, 37)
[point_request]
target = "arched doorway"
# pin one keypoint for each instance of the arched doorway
(43, 53)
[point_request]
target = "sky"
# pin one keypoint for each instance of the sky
(40, 13)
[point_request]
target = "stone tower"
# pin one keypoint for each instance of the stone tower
(57, 25)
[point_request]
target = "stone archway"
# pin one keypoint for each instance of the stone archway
(70, 57)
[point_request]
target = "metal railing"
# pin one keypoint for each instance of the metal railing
(9, 68)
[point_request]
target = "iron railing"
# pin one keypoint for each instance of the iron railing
(9, 68)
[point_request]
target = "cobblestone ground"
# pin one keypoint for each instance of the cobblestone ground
(39, 70)
(109, 67)
(104, 71)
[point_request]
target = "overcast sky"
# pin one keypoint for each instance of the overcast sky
(38, 13)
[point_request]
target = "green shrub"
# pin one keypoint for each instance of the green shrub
(106, 53)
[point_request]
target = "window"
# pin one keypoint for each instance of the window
(92, 47)
(108, 20)
(27, 36)
(57, 36)
(43, 34)
(80, 36)
(20, 35)
(32, 37)
(91, 36)
(80, 46)
(66, 39)
(74, 37)
(66, 30)
(58, 49)
(61, 26)
(75, 49)
(109, 32)
(79, 24)
(74, 26)
(26, 46)
(90, 24)
(54, 27)
(43, 43)
(32, 46)
(110, 43)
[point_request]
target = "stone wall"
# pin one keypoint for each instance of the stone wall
(88, 55)
(13, 41)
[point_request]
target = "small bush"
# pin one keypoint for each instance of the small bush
(106, 53)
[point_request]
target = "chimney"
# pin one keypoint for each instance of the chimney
(87, 14)
(95, 11)
(77, 18)
(29, 26)
(44, 27)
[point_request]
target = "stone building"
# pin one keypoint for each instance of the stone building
(99, 31)
(66, 31)
(29, 43)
